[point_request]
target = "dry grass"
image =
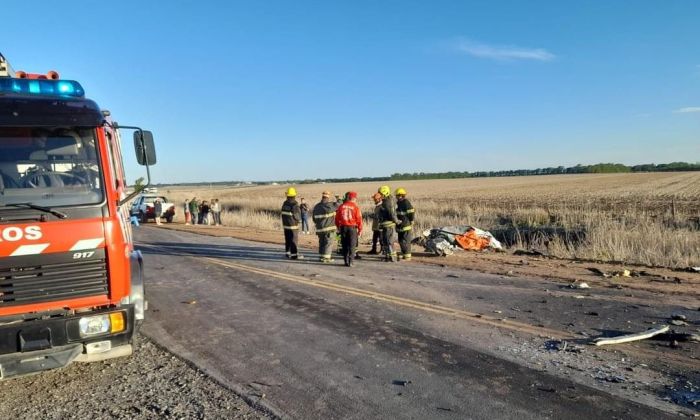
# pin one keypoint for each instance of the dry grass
(641, 218)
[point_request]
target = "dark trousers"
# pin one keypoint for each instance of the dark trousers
(291, 237)
(376, 236)
(325, 244)
(348, 236)
(195, 218)
(388, 234)
(405, 238)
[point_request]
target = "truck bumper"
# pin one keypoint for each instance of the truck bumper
(18, 364)
(43, 344)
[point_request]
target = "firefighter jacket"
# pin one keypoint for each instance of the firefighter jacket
(387, 213)
(406, 214)
(324, 216)
(348, 214)
(291, 214)
(375, 217)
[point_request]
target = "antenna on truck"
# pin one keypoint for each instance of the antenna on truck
(5, 68)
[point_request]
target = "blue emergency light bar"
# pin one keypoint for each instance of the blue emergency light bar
(45, 87)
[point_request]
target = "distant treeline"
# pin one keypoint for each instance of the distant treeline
(336, 180)
(599, 168)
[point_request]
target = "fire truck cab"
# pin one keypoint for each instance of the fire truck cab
(71, 282)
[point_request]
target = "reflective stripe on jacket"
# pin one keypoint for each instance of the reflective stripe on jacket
(324, 216)
(406, 213)
(387, 213)
(291, 214)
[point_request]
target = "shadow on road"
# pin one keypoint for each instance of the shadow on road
(209, 250)
(233, 252)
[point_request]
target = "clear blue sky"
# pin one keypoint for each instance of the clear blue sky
(263, 90)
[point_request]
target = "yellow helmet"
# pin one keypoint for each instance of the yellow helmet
(384, 190)
(291, 192)
(400, 191)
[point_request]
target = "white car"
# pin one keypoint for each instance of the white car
(143, 208)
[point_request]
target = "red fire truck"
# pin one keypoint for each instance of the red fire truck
(71, 283)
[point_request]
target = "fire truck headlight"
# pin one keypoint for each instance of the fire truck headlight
(112, 323)
(93, 325)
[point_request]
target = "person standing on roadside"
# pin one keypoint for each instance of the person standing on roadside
(304, 216)
(406, 213)
(188, 215)
(348, 220)
(216, 211)
(376, 232)
(291, 216)
(194, 210)
(324, 222)
(204, 213)
(387, 223)
(157, 210)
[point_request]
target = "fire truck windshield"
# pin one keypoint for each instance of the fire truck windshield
(50, 167)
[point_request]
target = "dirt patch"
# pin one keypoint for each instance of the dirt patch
(654, 279)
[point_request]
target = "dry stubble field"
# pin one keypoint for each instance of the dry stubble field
(640, 218)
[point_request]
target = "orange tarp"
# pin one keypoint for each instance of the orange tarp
(470, 241)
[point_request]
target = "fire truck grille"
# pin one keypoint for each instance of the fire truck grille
(56, 278)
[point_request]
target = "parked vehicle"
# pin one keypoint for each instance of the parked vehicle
(143, 208)
(72, 282)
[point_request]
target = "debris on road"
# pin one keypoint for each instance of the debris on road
(631, 337)
(680, 337)
(622, 273)
(581, 285)
(619, 273)
(598, 271)
(400, 382)
(679, 317)
(444, 240)
(677, 322)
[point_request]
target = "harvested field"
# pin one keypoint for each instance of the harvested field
(641, 218)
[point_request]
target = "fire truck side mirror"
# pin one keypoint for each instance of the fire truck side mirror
(145, 149)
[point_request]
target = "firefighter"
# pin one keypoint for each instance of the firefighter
(376, 233)
(387, 223)
(291, 216)
(324, 218)
(348, 220)
(406, 214)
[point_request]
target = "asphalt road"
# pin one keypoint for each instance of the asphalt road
(381, 340)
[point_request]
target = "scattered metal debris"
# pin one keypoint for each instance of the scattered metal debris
(630, 337)
(400, 382)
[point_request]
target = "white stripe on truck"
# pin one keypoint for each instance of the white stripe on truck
(87, 244)
(29, 249)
